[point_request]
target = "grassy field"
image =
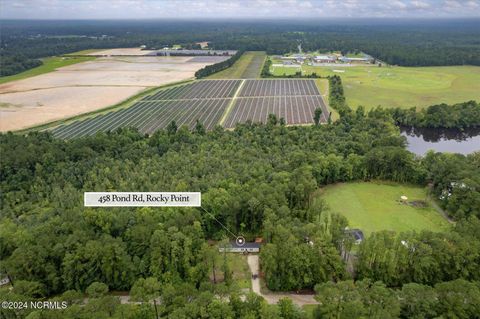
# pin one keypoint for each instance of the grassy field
(402, 86)
(284, 70)
(245, 67)
(49, 65)
(374, 206)
(309, 309)
(239, 267)
(322, 85)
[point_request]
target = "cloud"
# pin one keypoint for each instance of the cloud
(420, 4)
(137, 9)
(398, 4)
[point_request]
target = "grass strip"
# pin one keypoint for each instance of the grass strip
(232, 102)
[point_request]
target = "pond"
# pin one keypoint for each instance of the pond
(420, 140)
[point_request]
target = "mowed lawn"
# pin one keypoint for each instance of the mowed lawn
(374, 206)
(405, 87)
(49, 64)
(248, 66)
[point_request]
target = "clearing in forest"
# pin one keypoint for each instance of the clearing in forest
(248, 66)
(375, 206)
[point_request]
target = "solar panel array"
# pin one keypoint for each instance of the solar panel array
(288, 87)
(293, 109)
(198, 90)
(293, 100)
(206, 101)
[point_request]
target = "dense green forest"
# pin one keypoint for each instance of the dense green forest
(461, 116)
(256, 180)
(407, 42)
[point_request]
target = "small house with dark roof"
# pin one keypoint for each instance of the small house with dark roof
(234, 247)
(356, 234)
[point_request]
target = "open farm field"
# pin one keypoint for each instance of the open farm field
(375, 206)
(86, 87)
(117, 52)
(49, 65)
(83, 52)
(212, 102)
(248, 66)
(405, 87)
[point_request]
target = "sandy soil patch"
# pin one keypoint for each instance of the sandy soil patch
(46, 105)
(146, 71)
(86, 87)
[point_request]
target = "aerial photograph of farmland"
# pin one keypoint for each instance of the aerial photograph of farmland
(255, 159)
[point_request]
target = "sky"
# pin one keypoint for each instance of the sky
(151, 9)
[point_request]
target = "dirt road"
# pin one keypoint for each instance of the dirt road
(273, 298)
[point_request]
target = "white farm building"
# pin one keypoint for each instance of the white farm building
(325, 59)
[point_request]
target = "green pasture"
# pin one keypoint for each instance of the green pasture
(405, 87)
(375, 206)
(284, 70)
(243, 67)
(49, 64)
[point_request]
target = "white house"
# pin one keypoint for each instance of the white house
(233, 247)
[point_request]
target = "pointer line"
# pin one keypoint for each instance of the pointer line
(228, 230)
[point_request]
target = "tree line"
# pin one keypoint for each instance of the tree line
(368, 299)
(217, 67)
(451, 42)
(460, 116)
(10, 65)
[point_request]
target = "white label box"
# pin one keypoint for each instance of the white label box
(142, 199)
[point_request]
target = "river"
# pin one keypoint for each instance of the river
(420, 140)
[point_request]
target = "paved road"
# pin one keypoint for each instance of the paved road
(273, 298)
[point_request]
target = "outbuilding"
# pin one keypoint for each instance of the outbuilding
(356, 234)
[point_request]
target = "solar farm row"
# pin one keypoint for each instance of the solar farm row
(198, 90)
(278, 88)
(294, 109)
(206, 101)
(148, 117)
